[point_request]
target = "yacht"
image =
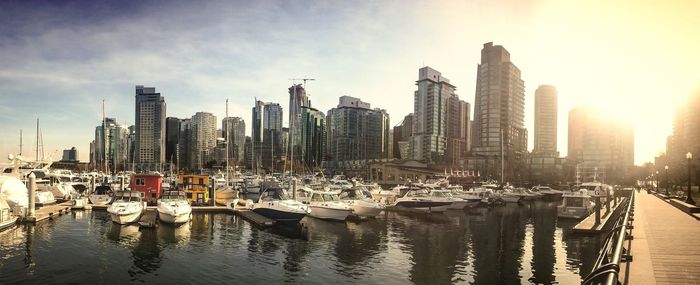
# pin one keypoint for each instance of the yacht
(324, 204)
(127, 207)
(386, 197)
(576, 205)
(547, 193)
(7, 218)
(13, 191)
(101, 196)
(471, 199)
(509, 196)
(43, 198)
(274, 203)
(446, 195)
(420, 199)
(360, 201)
(173, 208)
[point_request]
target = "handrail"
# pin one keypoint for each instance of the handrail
(606, 269)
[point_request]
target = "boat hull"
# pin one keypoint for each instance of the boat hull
(423, 204)
(101, 200)
(458, 205)
(334, 214)
(124, 219)
(365, 212)
(279, 215)
(511, 199)
(8, 223)
(180, 218)
(573, 212)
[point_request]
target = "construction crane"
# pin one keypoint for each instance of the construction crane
(294, 80)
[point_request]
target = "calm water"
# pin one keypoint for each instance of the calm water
(507, 245)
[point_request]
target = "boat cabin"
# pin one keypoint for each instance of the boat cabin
(273, 194)
(196, 188)
(151, 185)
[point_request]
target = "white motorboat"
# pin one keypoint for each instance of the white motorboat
(7, 218)
(420, 199)
(225, 194)
(386, 197)
(13, 191)
(547, 193)
(275, 204)
(173, 207)
(127, 207)
(575, 205)
(324, 204)
(101, 196)
(471, 199)
(44, 198)
(446, 195)
(80, 202)
(509, 196)
(360, 201)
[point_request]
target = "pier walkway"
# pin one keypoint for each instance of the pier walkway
(666, 245)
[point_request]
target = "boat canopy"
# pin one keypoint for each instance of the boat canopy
(272, 194)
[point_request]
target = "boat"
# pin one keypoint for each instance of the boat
(13, 191)
(173, 208)
(275, 204)
(324, 205)
(101, 196)
(127, 207)
(225, 194)
(360, 201)
(446, 195)
(420, 199)
(386, 197)
(509, 196)
(7, 218)
(43, 198)
(575, 205)
(470, 199)
(79, 203)
(548, 194)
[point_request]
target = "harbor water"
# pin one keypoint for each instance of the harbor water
(514, 244)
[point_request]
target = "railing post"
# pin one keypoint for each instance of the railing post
(597, 210)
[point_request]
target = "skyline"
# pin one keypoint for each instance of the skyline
(68, 59)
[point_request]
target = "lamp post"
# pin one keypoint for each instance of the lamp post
(666, 168)
(689, 199)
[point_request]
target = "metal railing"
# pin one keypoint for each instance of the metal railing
(606, 269)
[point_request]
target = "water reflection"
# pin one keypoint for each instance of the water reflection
(504, 245)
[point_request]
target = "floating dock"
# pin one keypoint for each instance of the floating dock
(255, 218)
(149, 219)
(589, 226)
(47, 212)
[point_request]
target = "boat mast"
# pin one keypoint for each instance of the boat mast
(226, 142)
(20, 141)
(37, 139)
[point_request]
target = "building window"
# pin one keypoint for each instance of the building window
(140, 182)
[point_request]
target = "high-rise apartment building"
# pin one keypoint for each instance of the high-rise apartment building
(267, 134)
(150, 128)
(458, 130)
(111, 145)
(297, 100)
(234, 132)
(356, 132)
(546, 121)
(313, 133)
(203, 138)
(602, 148)
(430, 109)
(499, 115)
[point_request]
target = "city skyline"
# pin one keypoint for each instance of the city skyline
(199, 57)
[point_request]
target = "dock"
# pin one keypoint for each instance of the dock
(665, 246)
(255, 218)
(589, 225)
(149, 219)
(47, 212)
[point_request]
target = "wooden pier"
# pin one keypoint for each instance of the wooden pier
(665, 246)
(47, 212)
(589, 225)
(255, 218)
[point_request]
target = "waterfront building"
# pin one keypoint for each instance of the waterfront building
(355, 134)
(499, 114)
(313, 132)
(440, 123)
(203, 139)
(150, 128)
(234, 131)
(111, 145)
(601, 148)
(297, 100)
(546, 121)
(172, 135)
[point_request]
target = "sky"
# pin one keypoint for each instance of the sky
(59, 59)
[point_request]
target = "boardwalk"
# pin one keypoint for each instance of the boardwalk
(666, 246)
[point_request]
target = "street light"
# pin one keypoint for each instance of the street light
(666, 168)
(689, 199)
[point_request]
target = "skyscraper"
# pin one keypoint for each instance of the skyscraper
(402, 137)
(234, 132)
(458, 140)
(499, 112)
(150, 128)
(546, 121)
(354, 131)
(204, 138)
(313, 134)
(172, 135)
(267, 129)
(111, 145)
(297, 100)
